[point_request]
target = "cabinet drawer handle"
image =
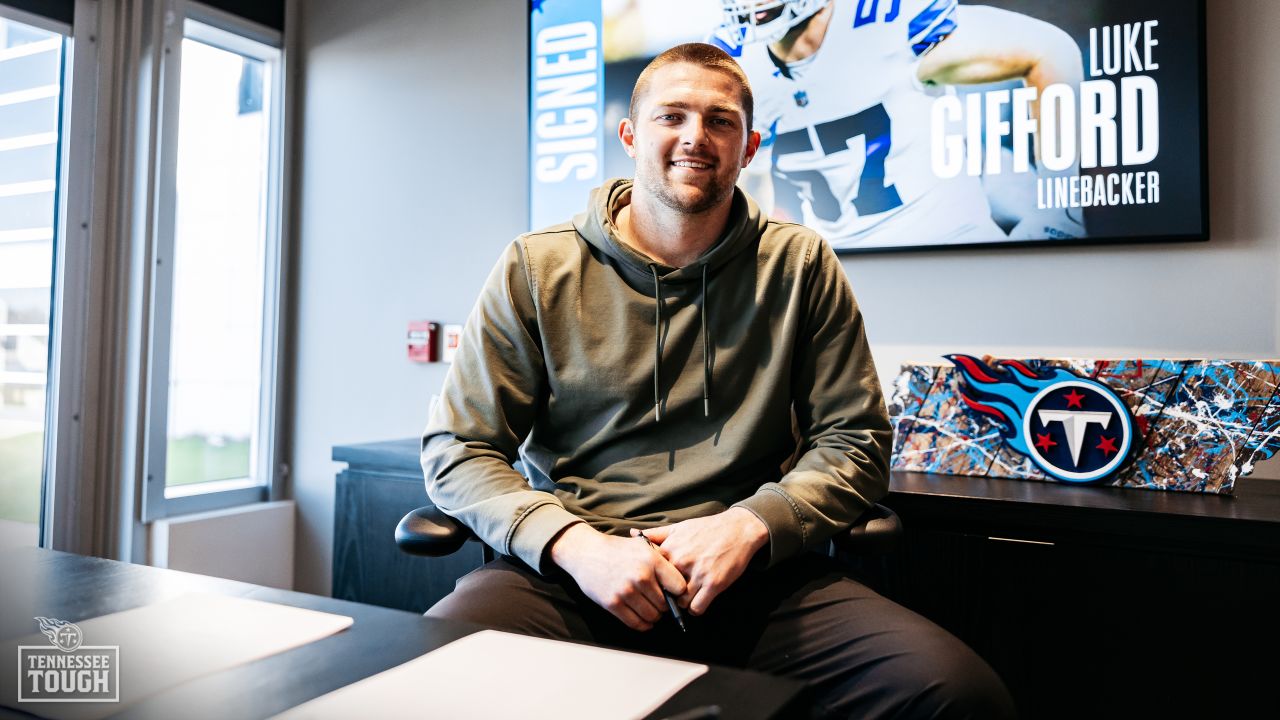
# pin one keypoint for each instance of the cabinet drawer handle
(1019, 540)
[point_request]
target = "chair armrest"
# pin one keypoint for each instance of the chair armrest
(877, 532)
(428, 531)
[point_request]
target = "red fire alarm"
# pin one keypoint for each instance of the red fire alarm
(424, 341)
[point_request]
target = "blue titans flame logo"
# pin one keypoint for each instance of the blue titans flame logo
(1073, 428)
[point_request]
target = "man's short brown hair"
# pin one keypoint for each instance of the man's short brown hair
(702, 55)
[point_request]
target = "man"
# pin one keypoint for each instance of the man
(674, 363)
(846, 90)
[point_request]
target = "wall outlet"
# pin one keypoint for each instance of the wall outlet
(452, 340)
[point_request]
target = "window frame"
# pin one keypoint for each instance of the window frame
(267, 470)
(62, 295)
(16, 14)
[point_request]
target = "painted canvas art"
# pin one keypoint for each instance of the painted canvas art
(1166, 424)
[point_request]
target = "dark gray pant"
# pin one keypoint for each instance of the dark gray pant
(861, 655)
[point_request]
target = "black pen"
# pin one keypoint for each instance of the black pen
(671, 601)
(698, 713)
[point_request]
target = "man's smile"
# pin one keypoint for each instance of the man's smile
(692, 164)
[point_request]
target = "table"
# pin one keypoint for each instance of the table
(72, 587)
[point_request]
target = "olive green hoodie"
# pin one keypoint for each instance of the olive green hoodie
(766, 395)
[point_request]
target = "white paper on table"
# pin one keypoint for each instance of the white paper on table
(494, 674)
(174, 641)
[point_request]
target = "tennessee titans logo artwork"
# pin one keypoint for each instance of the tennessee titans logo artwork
(1073, 428)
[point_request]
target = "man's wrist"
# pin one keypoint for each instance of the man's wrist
(563, 546)
(754, 529)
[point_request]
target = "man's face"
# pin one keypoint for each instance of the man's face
(690, 139)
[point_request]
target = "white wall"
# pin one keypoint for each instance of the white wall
(411, 170)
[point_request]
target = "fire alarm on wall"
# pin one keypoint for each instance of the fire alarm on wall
(424, 341)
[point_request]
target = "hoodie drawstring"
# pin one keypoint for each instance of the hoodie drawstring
(706, 349)
(657, 346)
(657, 342)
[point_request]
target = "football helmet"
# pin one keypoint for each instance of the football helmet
(748, 21)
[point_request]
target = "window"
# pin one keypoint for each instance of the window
(140, 271)
(215, 315)
(31, 70)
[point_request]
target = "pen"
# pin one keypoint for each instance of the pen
(698, 713)
(671, 601)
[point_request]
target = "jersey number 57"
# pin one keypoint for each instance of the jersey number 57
(873, 195)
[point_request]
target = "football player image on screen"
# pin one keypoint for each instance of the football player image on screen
(844, 91)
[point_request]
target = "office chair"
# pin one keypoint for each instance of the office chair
(428, 531)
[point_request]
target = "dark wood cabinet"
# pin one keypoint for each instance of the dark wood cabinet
(382, 482)
(1090, 602)
(1100, 602)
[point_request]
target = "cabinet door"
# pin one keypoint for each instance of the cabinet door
(1172, 632)
(1093, 626)
(1001, 596)
(1025, 597)
(934, 575)
(367, 565)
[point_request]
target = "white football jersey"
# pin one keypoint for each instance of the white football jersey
(846, 131)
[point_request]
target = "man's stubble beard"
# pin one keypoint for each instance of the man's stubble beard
(715, 193)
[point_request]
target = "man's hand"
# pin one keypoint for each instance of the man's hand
(622, 575)
(710, 551)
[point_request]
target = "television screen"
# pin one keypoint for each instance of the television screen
(901, 124)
